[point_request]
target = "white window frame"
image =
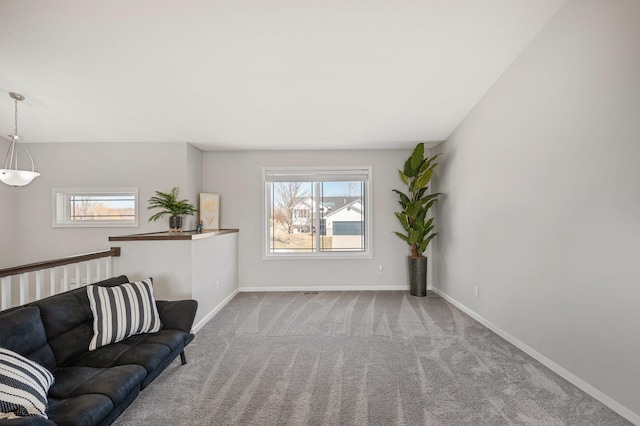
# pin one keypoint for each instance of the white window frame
(61, 207)
(312, 172)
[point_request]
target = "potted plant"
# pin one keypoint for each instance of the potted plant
(413, 217)
(171, 205)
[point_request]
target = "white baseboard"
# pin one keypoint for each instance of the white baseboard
(325, 288)
(562, 372)
(213, 312)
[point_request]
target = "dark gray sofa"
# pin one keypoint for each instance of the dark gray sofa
(92, 388)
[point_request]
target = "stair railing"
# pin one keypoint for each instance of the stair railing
(17, 286)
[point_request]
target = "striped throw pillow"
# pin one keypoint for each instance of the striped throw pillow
(23, 386)
(122, 311)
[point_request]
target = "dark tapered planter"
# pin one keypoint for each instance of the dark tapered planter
(418, 276)
(175, 223)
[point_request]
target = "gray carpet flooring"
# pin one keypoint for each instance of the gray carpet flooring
(357, 358)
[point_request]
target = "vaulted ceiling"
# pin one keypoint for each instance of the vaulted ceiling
(256, 74)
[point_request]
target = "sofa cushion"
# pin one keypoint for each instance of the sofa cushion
(122, 311)
(68, 320)
(177, 314)
(116, 382)
(147, 350)
(23, 385)
(82, 410)
(22, 331)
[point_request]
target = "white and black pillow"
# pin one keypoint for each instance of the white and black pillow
(122, 311)
(23, 386)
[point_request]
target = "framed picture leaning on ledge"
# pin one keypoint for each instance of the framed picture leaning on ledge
(210, 211)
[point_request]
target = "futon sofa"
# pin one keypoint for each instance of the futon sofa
(91, 387)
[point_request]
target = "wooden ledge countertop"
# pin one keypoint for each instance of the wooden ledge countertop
(169, 236)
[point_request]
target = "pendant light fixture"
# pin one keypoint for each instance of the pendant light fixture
(11, 175)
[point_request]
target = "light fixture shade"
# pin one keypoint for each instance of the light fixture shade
(17, 177)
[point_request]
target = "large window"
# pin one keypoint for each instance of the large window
(317, 212)
(90, 207)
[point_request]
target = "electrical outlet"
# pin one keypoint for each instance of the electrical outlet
(477, 289)
(380, 268)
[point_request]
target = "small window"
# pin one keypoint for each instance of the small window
(317, 212)
(91, 207)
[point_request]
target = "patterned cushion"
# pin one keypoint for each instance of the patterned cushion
(122, 311)
(23, 386)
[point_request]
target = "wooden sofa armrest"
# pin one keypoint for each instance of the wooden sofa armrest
(177, 314)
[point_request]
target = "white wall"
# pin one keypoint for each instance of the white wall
(193, 185)
(7, 215)
(214, 274)
(542, 205)
(237, 176)
(147, 166)
(204, 269)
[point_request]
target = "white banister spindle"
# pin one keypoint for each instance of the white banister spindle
(89, 272)
(65, 278)
(24, 288)
(109, 261)
(6, 292)
(52, 282)
(98, 268)
(39, 284)
(78, 276)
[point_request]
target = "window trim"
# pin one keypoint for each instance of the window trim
(60, 215)
(368, 225)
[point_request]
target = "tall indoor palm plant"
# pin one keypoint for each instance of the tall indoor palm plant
(416, 203)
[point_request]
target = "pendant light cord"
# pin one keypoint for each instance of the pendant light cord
(11, 162)
(15, 102)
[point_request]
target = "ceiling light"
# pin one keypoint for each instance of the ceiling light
(11, 175)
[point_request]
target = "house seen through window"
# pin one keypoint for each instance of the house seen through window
(317, 212)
